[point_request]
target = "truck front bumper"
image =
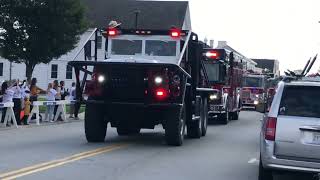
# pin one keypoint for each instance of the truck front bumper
(215, 109)
(129, 104)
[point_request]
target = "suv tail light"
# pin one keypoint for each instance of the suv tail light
(270, 130)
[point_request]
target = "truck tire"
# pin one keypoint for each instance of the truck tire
(126, 131)
(94, 124)
(264, 174)
(194, 127)
(204, 124)
(175, 127)
(236, 115)
(224, 117)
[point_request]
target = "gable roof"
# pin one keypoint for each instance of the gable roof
(153, 14)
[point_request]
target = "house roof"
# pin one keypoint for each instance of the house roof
(153, 14)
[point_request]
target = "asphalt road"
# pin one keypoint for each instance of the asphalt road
(61, 152)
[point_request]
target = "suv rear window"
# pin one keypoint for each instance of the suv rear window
(300, 101)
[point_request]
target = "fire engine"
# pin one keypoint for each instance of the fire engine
(253, 90)
(148, 77)
(224, 74)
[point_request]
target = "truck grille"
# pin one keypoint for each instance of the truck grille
(126, 85)
(246, 94)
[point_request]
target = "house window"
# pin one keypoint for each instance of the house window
(54, 71)
(69, 72)
(1, 69)
(99, 42)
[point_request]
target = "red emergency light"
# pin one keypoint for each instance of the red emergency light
(112, 32)
(161, 93)
(212, 54)
(175, 33)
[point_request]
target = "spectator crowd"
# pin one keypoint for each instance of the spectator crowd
(24, 93)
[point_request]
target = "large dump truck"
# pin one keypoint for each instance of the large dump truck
(148, 77)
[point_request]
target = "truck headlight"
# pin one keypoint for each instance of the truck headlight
(213, 96)
(257, 95)
(101, 78)
(256, 102)
(158, 80)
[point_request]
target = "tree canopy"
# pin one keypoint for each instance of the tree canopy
(37, 31)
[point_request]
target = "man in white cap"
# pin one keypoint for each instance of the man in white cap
(114, 24)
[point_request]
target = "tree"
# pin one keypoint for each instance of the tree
(38, 31)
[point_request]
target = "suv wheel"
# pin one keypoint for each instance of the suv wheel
(264, 174)
(94, 124)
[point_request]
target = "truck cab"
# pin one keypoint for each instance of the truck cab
(148, 77)
(253, 90)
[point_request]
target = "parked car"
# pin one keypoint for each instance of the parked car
(290, 133)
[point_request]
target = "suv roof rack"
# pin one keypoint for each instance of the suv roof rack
(292, 76)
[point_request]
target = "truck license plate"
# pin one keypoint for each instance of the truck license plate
(316, 138)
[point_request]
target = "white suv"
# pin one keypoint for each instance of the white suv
(290, 133)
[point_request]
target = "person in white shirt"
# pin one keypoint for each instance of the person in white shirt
(7, 96)
(51, 93)
(17, 101)
(72, 97)
(57, 96)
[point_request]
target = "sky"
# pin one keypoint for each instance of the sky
(287, 30)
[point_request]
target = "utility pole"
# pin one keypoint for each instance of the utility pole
(10, 69)
(136, 12)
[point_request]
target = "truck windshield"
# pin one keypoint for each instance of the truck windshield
(252, 82)
(160, 48)
(213, 72)
(126, 47)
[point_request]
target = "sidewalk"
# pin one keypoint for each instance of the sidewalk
(46, 123)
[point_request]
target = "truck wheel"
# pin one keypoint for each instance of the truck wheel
(175, 127)
(236, 115)
(194, 128)
(224, 117)
(126, 131)
(94, 124)
(204, 124)
(264, 174)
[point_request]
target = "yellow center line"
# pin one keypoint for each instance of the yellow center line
(59, 162)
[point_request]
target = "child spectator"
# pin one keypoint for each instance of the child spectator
(27, 104)
(51, 93)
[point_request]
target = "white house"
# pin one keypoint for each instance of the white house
(150, 16)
